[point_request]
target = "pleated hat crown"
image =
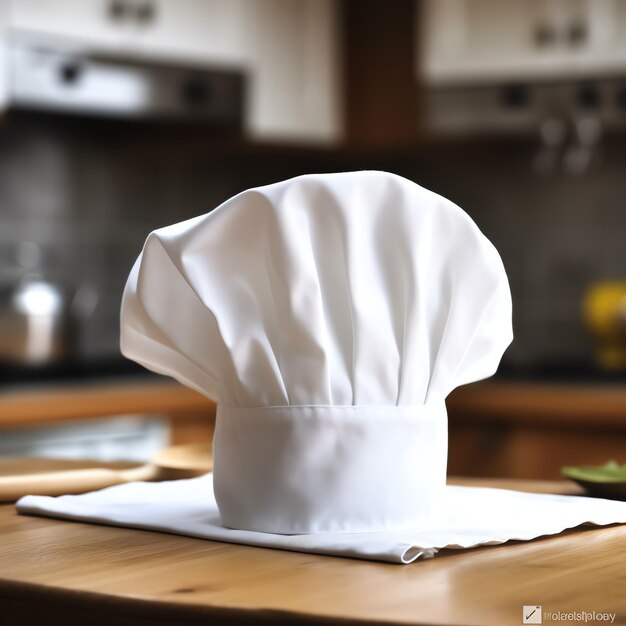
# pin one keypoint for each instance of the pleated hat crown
(328, 316)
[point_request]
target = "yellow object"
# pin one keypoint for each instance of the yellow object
(604, 310)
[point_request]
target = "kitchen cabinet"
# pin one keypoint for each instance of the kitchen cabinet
(89, 22)
(469, 41)
(288, 50)
(294, 82)
(198, 30)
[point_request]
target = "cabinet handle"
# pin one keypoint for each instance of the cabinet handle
(545, 35)
(70, 72)
(145, 12)
(118, 10)
(577, 33)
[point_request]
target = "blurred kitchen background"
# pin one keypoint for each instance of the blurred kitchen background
(120, 116)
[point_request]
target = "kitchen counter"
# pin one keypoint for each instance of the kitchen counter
(45, 404)
(191, 415)
(70, 573)
(509, 428)
(493, 400)
(529, 430)
(545, 403)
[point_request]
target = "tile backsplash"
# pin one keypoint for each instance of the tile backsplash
(88, 193)
(557, 234)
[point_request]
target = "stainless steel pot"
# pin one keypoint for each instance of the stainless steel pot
(39, 321)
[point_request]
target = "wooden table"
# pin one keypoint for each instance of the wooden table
(54, 572)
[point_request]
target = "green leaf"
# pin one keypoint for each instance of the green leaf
(611, 472)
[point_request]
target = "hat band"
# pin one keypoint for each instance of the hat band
(314, 469)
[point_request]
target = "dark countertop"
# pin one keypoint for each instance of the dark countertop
(560, 373)
(70, 372)
(117, 367)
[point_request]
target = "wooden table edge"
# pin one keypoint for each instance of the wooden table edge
(80, 607)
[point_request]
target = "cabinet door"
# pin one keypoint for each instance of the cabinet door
(474, 40)
(196, 30)
(94, 23)
(294, 92)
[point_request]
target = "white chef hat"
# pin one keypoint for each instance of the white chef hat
(328, 316)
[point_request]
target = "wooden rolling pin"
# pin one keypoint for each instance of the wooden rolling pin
(169, 464)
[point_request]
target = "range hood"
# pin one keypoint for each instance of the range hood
(52, 78)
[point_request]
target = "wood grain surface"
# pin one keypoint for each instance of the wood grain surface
(541, 403)
(57, 572)
(42, 405)
(531, 430)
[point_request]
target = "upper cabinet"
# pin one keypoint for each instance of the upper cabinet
(196, 30)
(93, 23)
(287, 49)
(294, 91)
(204, 30)
(464, 41)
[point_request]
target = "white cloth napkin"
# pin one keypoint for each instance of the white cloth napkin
(470, 516)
